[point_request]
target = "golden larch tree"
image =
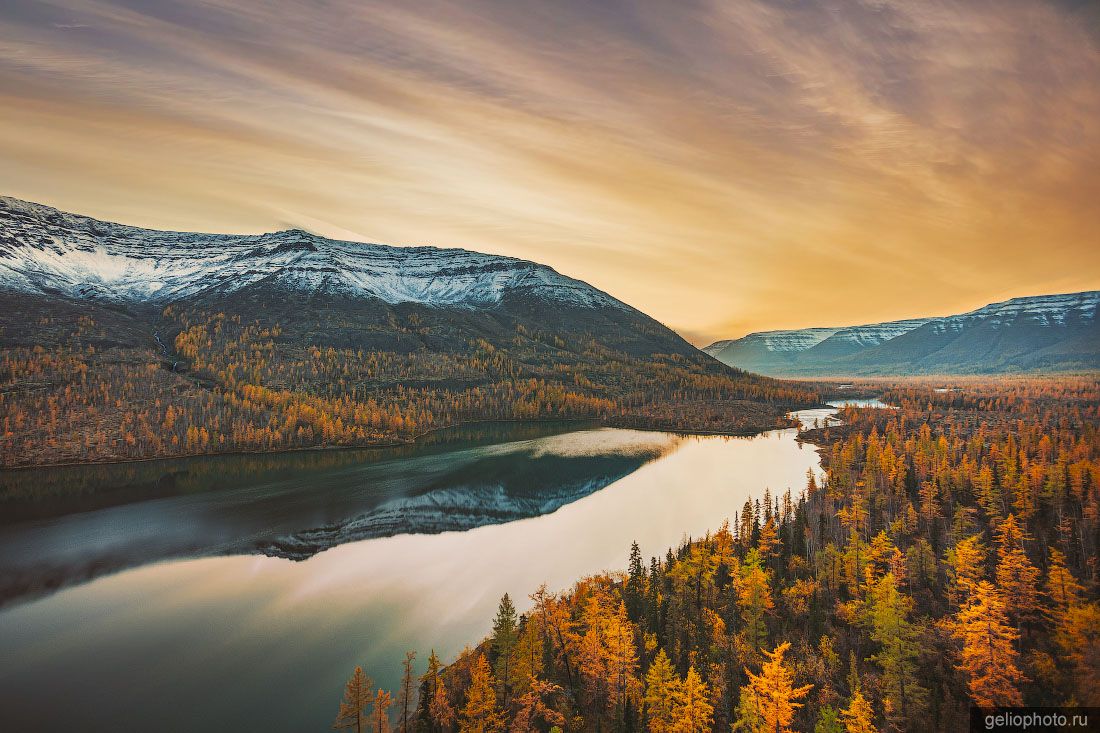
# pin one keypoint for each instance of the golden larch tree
(989, 657)
(535, 712)
(379, 715)
(1061, 587)
(1078, 636)
(858, 717)
(480, 715)
(662, 688)
(1017, 578)
(769, 700)
(357, 696)
(694, 712)
(754, 598)
(967, 567)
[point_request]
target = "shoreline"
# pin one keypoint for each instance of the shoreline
(416, 439)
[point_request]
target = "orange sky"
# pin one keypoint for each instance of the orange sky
(724, 166)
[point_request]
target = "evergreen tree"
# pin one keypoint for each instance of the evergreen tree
(634, 588)
(504, 639)
(906, 699)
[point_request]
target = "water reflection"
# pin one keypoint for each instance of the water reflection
(249, 642)
(297, 505)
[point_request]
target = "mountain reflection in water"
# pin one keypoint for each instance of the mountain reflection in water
(296, 505)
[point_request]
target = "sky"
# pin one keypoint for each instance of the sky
(725, 166)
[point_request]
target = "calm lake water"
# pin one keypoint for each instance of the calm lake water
(245, 592)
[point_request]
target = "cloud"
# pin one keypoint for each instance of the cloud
(723, 166)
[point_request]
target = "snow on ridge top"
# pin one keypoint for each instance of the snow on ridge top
(798, 339)
(873, 334)
(1042, 308)
(46, 250)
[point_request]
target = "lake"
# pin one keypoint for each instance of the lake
(245, 590)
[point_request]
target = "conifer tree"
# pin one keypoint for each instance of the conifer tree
(989, 658)
(379, 717)
(770, 698)
(504, 642)
(828, 721)
(1078, 635)
(967, 563)
(480, 714)
(535, 713)
(405, 695)
(1017, 578)
(634, 588)
(754, 599)
(768, 543)
(662, 689)
(905, 698)
(441, 712)
(858, 717)
(357, 696)
(1061, 587)
(694, 712)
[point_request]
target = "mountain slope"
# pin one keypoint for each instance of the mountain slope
(1050, 332)
(121, 342)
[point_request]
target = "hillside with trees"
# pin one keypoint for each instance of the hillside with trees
(81, 383)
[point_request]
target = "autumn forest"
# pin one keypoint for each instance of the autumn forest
(946, 558)
(189, 381)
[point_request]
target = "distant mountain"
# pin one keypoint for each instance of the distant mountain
(1047, 332)
(289, 339)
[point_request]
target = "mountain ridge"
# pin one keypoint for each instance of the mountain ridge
(47, 251)
(1056, 331)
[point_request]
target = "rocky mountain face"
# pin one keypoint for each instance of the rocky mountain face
(1047, 332)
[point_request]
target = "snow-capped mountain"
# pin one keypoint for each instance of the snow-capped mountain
(1043, 310)
(46, 251)
(319, 290)
(1056, 332)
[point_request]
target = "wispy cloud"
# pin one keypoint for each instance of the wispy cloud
(724, 166)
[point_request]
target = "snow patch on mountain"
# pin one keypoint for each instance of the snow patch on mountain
(790, 340)
(1045, 310)
(1042, 310)
(46, 251)
(876, 333)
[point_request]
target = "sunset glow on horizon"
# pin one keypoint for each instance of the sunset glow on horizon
(725, 167)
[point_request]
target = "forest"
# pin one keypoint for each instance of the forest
(946, 558)
(218, 383)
